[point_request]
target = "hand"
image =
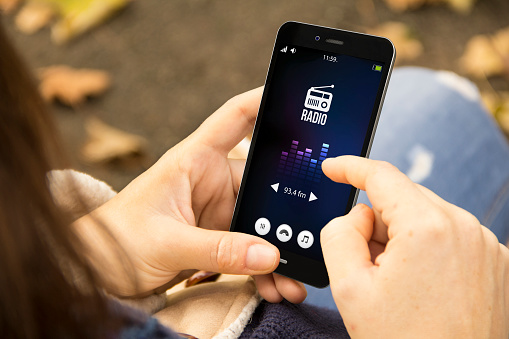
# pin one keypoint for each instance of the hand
(413, 266)
(176, 215)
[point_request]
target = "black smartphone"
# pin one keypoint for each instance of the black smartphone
(322, 98)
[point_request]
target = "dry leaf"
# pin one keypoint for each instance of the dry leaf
(71, 86)
(78, 16)
(75, 16)
(106, 143)
(480, 58)
(403, 5)
(503, 120)
(497, 103)
(501, 44)
(34, 16)
(490, 101)
(504, 107)
(407, 47)
(487, 56)
(7, 6)
(461, 6)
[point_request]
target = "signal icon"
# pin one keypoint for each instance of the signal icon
(284, 49)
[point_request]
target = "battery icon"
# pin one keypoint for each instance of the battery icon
(377, 68)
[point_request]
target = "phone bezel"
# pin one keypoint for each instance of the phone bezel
(379, 49)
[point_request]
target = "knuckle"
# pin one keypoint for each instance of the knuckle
(224, 256)
(469, 229)
(466, 219)
(378, 173)
(438, 225)
(331, 231)
(233, 101)
(328, 230)
(504, 253)
(382, 166)
(490, 239)
(497, 253)
(238, 105)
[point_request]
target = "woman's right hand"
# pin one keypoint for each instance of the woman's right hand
(414, 265)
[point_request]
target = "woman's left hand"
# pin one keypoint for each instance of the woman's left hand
(176, 215)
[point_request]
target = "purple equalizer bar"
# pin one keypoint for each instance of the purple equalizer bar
(299, 164)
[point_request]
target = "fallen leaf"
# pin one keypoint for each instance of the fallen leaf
(502, 104)
(106, 143)
(34, 16)
(78, 16)
(461, 6)
(71, 86)
(490, 101)
(497, 103)
(403, 5)
(7, 6)
(480, 58)
(503, 120)
(407, 47)
(501, 44)
(487, 56)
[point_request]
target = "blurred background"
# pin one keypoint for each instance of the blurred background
(154, 70)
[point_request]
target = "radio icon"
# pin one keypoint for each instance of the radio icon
(318, 100)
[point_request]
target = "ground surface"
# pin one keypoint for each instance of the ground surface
(174, 62)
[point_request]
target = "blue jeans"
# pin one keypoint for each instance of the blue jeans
(433, 128)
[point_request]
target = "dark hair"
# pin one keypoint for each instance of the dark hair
(37, 298)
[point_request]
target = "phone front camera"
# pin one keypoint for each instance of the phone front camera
(317, 37)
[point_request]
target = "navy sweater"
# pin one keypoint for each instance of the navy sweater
(283, 320)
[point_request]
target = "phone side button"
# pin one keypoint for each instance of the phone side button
(283, 261)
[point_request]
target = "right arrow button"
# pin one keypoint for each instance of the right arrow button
(312, 197)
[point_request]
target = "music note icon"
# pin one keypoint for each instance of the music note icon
(305, 239)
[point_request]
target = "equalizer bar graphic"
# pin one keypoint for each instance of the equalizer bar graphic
(299, 164)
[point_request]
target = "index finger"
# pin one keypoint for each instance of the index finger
(226, 127)
(387, 188)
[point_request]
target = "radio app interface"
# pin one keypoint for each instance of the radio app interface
(319, 105)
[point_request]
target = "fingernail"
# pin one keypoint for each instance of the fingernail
(260, 257)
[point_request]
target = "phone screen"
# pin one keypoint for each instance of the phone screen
(317, 105)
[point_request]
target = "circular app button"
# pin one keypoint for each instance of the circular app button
(305, 239)
(284, 233)
(262, 226)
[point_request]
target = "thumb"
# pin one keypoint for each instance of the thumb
(225, 252)
(345, 242)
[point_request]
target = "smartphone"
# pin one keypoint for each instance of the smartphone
(322, 98)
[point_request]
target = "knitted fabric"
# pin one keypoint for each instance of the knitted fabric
(286, 320)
